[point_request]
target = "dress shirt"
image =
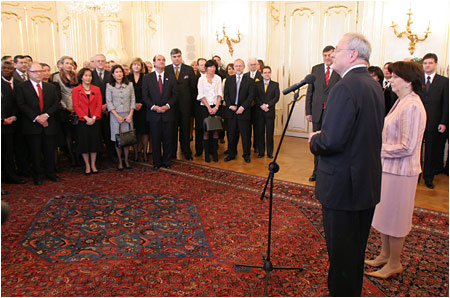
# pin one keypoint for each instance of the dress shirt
(209, 91)
(11, 82)
(353, 67)
(22, 74)
(37, 93)
(175, 68)
(162, 80)
(103, 74)
(325, 68)
(253, 74)
(431, 77)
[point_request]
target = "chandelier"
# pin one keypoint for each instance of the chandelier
(99, 7)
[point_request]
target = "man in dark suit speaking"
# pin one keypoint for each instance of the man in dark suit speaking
(349, 172)
(39, 102)
(317, 93)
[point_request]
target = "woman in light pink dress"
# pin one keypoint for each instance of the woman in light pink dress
(402, 136)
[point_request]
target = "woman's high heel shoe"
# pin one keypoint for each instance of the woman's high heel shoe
(386, 275)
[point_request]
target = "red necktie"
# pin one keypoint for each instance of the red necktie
(327, 75)
(41, 98)
(160, 84)
(10, 84)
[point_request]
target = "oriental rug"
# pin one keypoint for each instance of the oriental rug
(180, 232)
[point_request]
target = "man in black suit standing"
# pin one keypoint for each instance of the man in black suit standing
(317, 93)
(198, 112)
(100, 77)
(222, 73)
(349, 172)
(187, 93)
(238, 94)
(21, 64)
(39, 102)
(435, 99)
(159, 92)
(389, 96)
(9, 118)
(267, 95)
(255, 75)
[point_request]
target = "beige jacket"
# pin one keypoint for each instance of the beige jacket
(402, 136)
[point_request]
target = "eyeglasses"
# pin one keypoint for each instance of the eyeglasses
(338, 50)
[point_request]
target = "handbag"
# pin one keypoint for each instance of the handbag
(211, 123)
(72, 118)
(124, 139)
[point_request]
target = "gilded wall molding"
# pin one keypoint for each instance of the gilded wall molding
(41, 18)
(13, 3)
(337, 9)
(302, 11)
(152, 24)
(35, 5)
(9, 14)
(274, 13)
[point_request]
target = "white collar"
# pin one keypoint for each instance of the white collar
(431, 77)
(353, 67)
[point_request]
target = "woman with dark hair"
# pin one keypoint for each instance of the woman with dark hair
(67, 80)
(140, 114)
(87, 103)
(121, 102)
(400, 155)
(377, 74)
(260, 65)
(210, 96)
(230, 70)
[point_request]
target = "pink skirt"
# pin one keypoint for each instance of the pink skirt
(393, 215)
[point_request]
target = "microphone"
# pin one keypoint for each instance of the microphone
(309, 79)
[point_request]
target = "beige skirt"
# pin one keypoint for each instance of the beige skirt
(393, 215)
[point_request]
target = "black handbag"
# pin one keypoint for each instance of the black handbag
(124, 139)
(213, 123)
(73, 119)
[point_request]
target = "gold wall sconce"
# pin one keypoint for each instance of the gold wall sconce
(226, 39)
(413, 38)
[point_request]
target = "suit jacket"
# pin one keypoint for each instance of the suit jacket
(152, 96)
(402, 137)
(270, 97)
(349, 170)
(389, 99)
(28, 103)
(186, 87)
(222, 73)
(258, 76)
(96, 81)
(436, 102)
(17, 77)
(82, 104)
(9, 106)
(246, 94)
(317, 93)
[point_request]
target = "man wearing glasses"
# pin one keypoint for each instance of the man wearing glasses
(38, 102)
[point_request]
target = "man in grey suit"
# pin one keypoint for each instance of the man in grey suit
(349, 172)
(317, 93)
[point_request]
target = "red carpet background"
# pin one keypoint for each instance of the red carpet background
(179, 232)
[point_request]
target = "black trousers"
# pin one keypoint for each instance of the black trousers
(236, 127)
(184, 123)
(162, 132)
(346, 234)
(198, 129)
(21, 152)
(266, 126)
(316, 126)
(254, 124)
(42, 144)
(433, 157)
(8, 165)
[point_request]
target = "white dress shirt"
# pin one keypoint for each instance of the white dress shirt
(209, 91)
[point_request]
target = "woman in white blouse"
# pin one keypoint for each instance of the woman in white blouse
(210, 95)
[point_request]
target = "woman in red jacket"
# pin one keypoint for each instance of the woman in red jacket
(87, 103)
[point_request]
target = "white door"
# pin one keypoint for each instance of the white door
(310, 26)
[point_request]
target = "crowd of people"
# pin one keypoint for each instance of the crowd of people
(374, 131)
(81, 111)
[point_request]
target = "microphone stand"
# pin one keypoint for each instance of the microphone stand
(273, 168)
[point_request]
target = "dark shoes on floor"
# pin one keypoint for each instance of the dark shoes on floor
(429, 184)
(229, 157)
(312, 178)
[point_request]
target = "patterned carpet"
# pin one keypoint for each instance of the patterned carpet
(179, 232)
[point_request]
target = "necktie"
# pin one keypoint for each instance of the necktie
(238, 84)
(427, 85)
(101, 75)
(160, 84)
(327, 75)
(24, 77)
(177, 73)
(253, 76)
(386, 83)
(265, 86)
(41, 98)
(11, 85)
